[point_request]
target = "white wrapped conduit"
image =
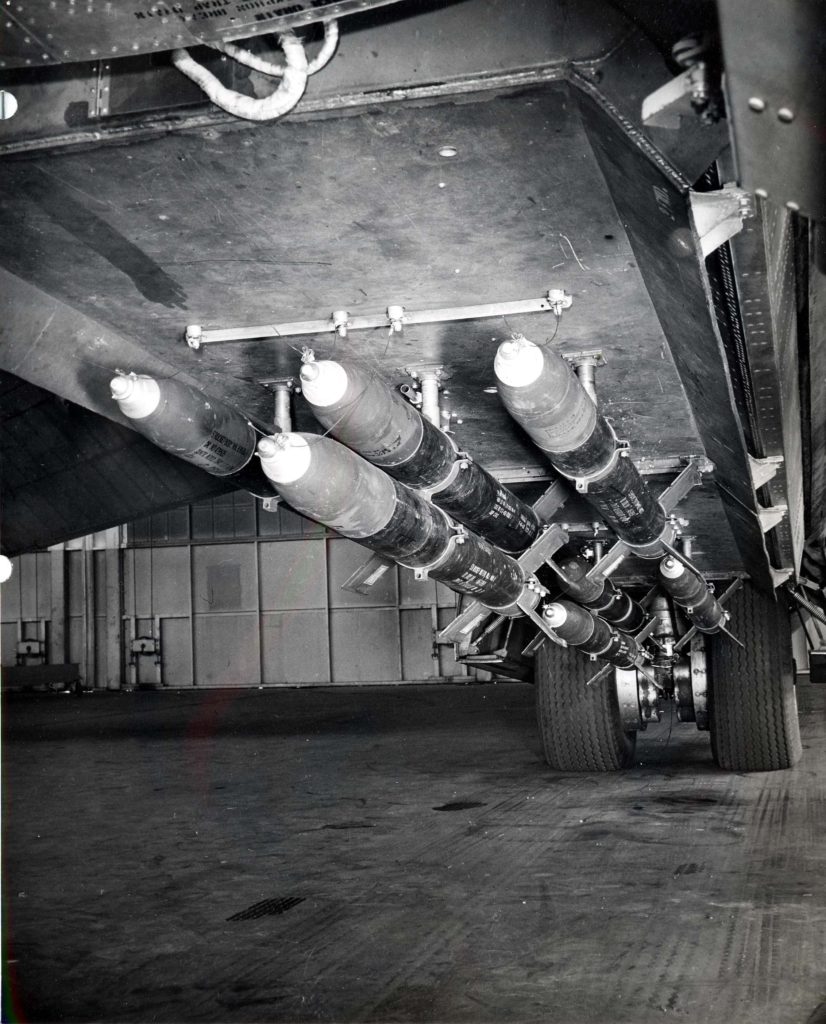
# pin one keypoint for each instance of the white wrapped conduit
(293, 76)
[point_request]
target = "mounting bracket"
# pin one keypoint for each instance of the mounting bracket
(763, 470)
(772, 516)
(395, 318)
(719, 215)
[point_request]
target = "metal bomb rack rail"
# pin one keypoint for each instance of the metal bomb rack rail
(395, 318)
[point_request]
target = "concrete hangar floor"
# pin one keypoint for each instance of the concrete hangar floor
(398, 854)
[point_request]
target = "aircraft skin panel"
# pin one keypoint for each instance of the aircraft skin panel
(41, 33)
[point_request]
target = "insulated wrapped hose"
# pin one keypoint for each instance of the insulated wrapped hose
(293, 76)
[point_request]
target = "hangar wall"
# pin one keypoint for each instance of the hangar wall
(223, 593)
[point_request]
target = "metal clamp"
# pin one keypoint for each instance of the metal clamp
(395, 319)
(340, 321)
(457, 537)
(628, 698)
(461, 463)
(621, 449)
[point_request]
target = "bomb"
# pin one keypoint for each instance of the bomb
(357, 408)
(543, 394)
(601, 596)
(690, 592)
(580, 628)
(194, 426)
(325, 481)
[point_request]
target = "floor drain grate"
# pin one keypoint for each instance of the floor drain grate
(267, 908)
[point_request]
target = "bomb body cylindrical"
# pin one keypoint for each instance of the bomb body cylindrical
(196, 427)
(359, 409)
(601, 596)
(543, 394)
(690, 592)
(580, 628)
(327, 482)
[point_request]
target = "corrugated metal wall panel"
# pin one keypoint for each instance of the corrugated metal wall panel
(365, 645)
(100, 649)
(281, 522)
(227, 650)
(295, 647)
(170, 590)
(230, 609)
(293, 575)
(28, 586)
(10, 596)
(75, 576)
(344, 558)
(77, 644)
(176, 648)
(223, 578)
(417, 644)
(415, 593)
(8, 641)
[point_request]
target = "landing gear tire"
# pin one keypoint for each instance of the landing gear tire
(752, 702)
(579, 725)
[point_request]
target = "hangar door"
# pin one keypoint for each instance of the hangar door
(239, 596)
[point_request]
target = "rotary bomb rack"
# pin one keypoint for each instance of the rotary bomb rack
(395, 318)
(553, 537)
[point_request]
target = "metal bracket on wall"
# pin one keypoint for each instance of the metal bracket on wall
(763, 470)
(719, 215)
(781, 576)
(367, 575)
(771, 517)
(664, 107)
(395, 318)
(145, 646)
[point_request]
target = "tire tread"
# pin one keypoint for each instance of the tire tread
(753, 710)
(579, 725)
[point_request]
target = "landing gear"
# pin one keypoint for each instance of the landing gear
(580, 725)
(741, 692)
(752, 702)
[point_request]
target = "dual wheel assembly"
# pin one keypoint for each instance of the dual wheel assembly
(744, 695)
